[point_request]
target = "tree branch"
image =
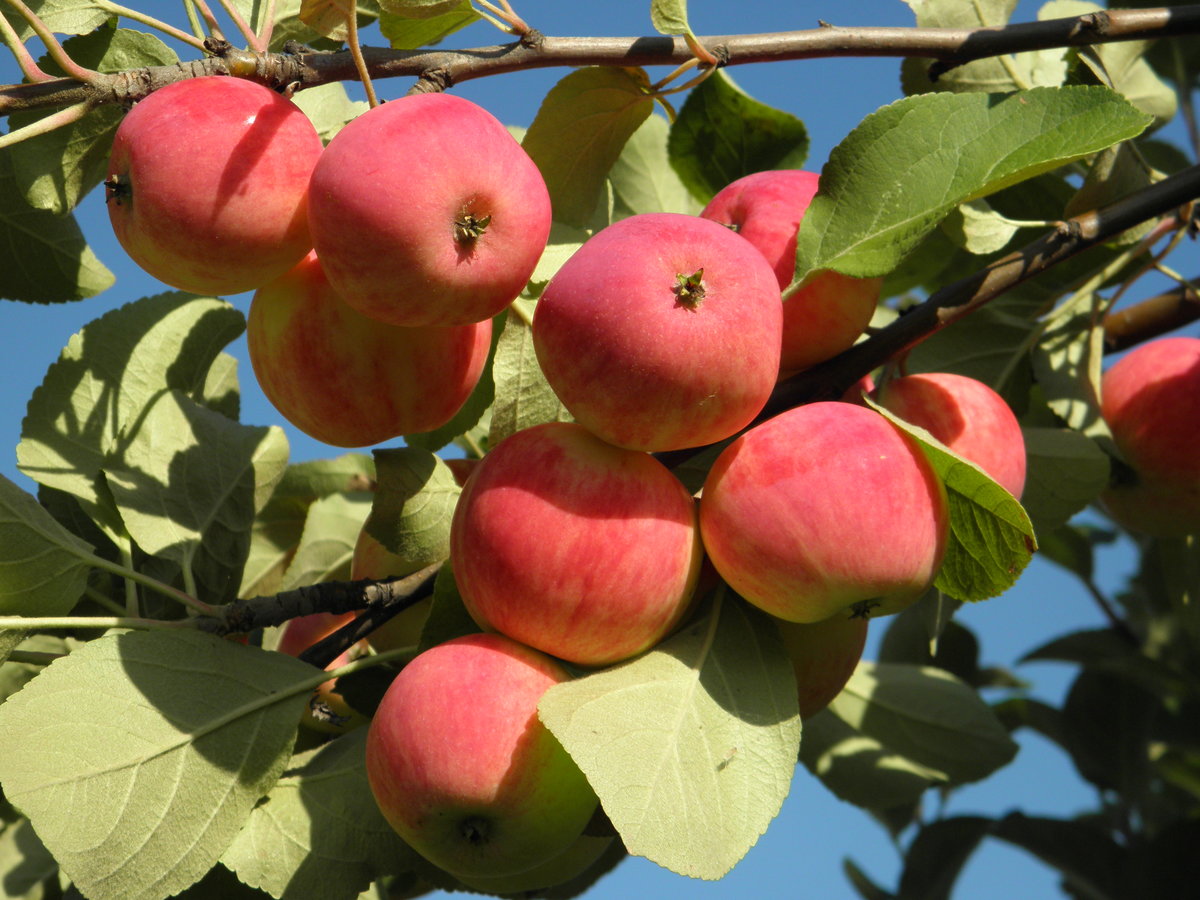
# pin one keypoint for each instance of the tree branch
(438, 69)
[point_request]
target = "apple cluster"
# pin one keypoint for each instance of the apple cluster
(378, 263)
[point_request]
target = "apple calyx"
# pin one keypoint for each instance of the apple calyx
(468, 227)
(689, 289)
(116, 188)
(862, 609)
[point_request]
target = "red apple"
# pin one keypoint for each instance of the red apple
(328, 712)
(426, 211)
(564, 867)
(583, 550)
(351, 381)
(1151, 401)
(824, 655)
(661, 332)
(829, 313)
(967, 416)
(207, 184)
(464, 770)
(823, 510)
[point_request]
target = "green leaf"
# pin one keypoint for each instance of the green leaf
(329, 108)
(860, 769)
(62, 17)
(448, 616)
(642, 178)
(669, 16)
(43, 257)
(926, 715)
(188, 484)
(1066, 470)
(326, 546)
(279, 525)
(523, 396)
(56, 169)
(905, 166)
(24, 860)
(690, 747)
(991, 538)
(404, 33)
(139, 756)
(413, 506)
(1088, 858)
(723, 133)
(43, 567)
(978, 228)
(937, 854)
(319, 832)
(1067, 360)
(579, 131)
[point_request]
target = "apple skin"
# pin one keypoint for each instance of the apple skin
(211, 179)
(351, 381)
(569, 864)
(967, 416)
(385, 198)
(462, 767)
(824, 655)
(825, 509)
(586, 551)
(1150, 399)
(638, 365)
(829, 313)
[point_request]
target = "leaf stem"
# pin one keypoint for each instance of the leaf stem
(46, 124)
(131, 574)
(364, 74)
(29, 66)
(252, 39)
(104, 600)
(268, 27)
(117, 10)
(71, 68)
(33, 657)
(39, 623)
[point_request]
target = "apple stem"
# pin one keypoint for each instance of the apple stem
(689, 289)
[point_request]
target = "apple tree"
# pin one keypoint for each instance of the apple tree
(639, 420)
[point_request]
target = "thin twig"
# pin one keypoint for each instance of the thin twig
(29, 67)
(252, 39)
(53, 47)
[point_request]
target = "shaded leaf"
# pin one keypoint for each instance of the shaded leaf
(1087, 857)
(326, 546)
(1065, 471)
(329, 108)
(723, 133)
(413, 506)
(139, 756)
(523, 396)
(642, 178)
(937, 854)
(690, 747)
(448, 616)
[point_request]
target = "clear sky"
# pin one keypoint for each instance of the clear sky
(800, 856)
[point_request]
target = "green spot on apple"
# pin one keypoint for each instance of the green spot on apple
(689, 289)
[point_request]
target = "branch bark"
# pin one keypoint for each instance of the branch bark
(299, 67)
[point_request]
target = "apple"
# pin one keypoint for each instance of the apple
(825, 509)
(829, 313)
(568, 865)
(373, 560)
(207, 184)
(586, 551)
(661, 332)
(824, 655)
(464, 770)
(1150, 399)
(349, 380)
(967, 416)
(328, 712)
(426, 211)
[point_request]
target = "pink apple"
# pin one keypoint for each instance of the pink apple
(351, 381)
(464, 770)
(426, 211)
(824, 655)
(825, 509)
(207, 184)
(1151, 401)
(661, 332)
(583, 550)
(967, 416)
(829, 313)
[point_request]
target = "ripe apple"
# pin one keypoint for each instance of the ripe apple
(586, 551)
(967, 416)
(462, 767)
(569, 864)
(661, 332)
(207, 184)
(829, 313)
(426, 211)
(825, 509)
(351, 381)
(824, 655)
(1151, 401)
(328, 712)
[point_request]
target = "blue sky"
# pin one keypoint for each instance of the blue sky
(800, 856)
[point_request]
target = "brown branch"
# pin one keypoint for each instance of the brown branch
(1151, 318)
(437, 69)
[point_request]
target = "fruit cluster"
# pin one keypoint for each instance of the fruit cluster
(378, 264)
